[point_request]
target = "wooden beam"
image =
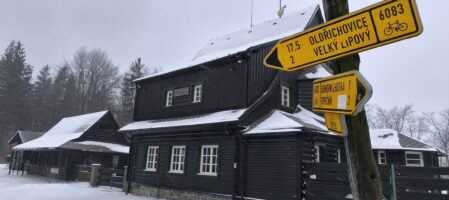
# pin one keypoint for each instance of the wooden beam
(364, 176)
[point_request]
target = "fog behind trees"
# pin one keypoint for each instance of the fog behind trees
(88, 82)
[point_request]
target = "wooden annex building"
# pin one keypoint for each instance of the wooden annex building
(391, 147)
(73, 141)
(225, 126)
(19, 137)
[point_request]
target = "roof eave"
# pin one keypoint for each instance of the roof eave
(229, 125)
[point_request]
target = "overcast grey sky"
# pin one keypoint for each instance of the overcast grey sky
(168, 33)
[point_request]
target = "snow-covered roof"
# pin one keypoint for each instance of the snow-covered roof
(262, 33)
(279, 121)
(210, 118)
(26, 136)
(390, 139)
(242, 40)
(96, 146)
(67, 129)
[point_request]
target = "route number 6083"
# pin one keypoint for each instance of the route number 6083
(391, 11)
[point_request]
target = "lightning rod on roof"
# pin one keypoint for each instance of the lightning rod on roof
(252, 3)
(281, 9)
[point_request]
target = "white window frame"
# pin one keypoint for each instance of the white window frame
(317, 151)
(152, 156)
(380, 158)
(197, 93)
(285, 96)
(421, 159)
(338, 156)
(207, 164)
(177, 163)
(169, 98)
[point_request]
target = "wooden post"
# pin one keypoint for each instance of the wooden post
(10, 162)
(364, 176)
(125, 180)
(94, 175)
(394, 195)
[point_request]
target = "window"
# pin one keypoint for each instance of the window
(209, 160)
(285, 96)
(197, 92)
(182, 91)
(115, 159)
(177, 159)
(382, 157)
(152, 158)
(413, 159)
(320, 152)
(169, 98)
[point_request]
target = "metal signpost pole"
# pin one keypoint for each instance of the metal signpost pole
(363, 173)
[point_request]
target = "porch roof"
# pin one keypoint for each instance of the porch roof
(279, 121)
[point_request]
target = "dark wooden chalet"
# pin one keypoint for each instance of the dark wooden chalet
(225, 126)
(391, 147)
(73, 141)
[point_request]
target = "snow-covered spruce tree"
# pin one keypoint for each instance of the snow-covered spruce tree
(41, 100)
(136, 70)
(15, 89)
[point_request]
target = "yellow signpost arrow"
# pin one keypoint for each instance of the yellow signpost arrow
(336, 123)
(344, 93)
(380, 24)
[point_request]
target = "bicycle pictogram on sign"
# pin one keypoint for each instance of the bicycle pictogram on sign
(396, 26)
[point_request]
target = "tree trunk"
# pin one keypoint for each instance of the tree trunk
(364, 176)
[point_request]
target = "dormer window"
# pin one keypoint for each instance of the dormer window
(169, 98)
(285, 96)
(197, 93)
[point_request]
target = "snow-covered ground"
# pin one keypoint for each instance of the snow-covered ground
(30, 187)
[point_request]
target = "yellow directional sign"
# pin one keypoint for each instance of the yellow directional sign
(336, 123)
(344, 93)
(380, 24)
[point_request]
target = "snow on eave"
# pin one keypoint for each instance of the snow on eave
(65, 130)
(405, 148)
(96, 146)
(275, 121)
(210, 118)
(240, 41)
(280, 122)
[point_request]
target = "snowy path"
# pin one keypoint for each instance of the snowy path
(30, 187)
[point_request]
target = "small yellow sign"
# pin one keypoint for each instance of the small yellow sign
(336, 123)
(344, 93)
(377, 25)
